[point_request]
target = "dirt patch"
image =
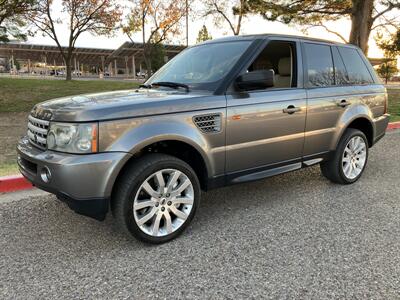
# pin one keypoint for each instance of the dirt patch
(12, 127)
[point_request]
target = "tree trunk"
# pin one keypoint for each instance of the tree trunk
(147, 52)
(361, 23)
(147, 61)
(68, 69)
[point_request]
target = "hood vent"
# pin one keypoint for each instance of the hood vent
(210, 123)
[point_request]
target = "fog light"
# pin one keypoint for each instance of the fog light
(45, 174)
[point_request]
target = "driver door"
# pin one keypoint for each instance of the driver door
(265, 128)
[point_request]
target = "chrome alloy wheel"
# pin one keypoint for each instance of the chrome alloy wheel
(163, 202)
(354, 157)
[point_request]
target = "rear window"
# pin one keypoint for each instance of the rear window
(356, 69)
(319, 65)
(341, 76)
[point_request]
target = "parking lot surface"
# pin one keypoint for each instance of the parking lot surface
(291, 236)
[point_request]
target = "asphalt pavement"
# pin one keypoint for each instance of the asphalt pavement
(294, 236)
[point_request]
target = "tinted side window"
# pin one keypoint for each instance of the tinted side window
(319, 65)
(280, 57)
(341, 76)
(356, 69)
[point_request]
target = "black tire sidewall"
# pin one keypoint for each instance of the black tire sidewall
(343, 143)
(130, 196)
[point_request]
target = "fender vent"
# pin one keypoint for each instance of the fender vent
(208, 123)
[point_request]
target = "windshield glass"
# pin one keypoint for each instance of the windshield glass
(201, 67)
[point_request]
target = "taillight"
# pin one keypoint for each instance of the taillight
(385, 111)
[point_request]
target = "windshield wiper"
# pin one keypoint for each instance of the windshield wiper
(146, 86)
(174, 85)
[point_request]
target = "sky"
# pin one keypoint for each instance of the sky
(251, 25)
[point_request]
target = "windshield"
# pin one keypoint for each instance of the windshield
(201, 67)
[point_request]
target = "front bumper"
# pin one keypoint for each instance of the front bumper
(84, 182)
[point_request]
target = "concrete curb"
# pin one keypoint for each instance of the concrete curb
(393, 125)
(18, 182)
(14, 183)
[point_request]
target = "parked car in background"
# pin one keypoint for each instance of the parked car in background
(223, 112)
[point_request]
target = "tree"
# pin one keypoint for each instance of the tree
(388, 69)
(391, 49)
(230, 11)
(203, 35)
(97, 17)
(12, 18)
(390, 45)
(157, 20)
(157, 57)
(365, 15)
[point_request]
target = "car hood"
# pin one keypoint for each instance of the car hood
(123, 104)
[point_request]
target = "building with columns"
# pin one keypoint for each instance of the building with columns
(125, 61)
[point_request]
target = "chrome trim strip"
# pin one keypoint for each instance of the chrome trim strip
(34, 128)
(38, 121)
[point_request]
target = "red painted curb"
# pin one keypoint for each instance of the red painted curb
(14, 183)
(394, 125)
(18, 182)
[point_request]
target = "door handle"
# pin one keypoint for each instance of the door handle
(291, 109)
(343, 103)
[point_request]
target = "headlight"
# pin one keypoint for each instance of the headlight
(72, 138)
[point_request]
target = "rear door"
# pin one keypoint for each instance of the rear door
(333, 85)
(326, 101)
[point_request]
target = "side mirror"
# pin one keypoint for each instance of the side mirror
(255, 80)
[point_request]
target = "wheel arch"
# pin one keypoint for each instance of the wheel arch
(175, 146)
(362, 123)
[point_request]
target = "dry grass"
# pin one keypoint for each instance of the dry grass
(20, 95)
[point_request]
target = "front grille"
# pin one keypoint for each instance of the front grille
(37, 132)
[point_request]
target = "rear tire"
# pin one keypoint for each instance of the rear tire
(156, 198)
(349, 159)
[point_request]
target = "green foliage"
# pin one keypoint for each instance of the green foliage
(365, 15)
(302, 12)
(391, 49)
(12, 21)
(203, 35)
(391, 45)
(394, 104)
(157, 57)
(388, 69)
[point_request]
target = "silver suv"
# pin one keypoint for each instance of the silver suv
(226, 111)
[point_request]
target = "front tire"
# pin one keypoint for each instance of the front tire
(156, 198)
(349, 159)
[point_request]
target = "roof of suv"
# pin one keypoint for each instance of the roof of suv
(266, 35)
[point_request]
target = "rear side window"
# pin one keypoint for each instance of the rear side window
(319, 65)
(357, 70)
(341, 76)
